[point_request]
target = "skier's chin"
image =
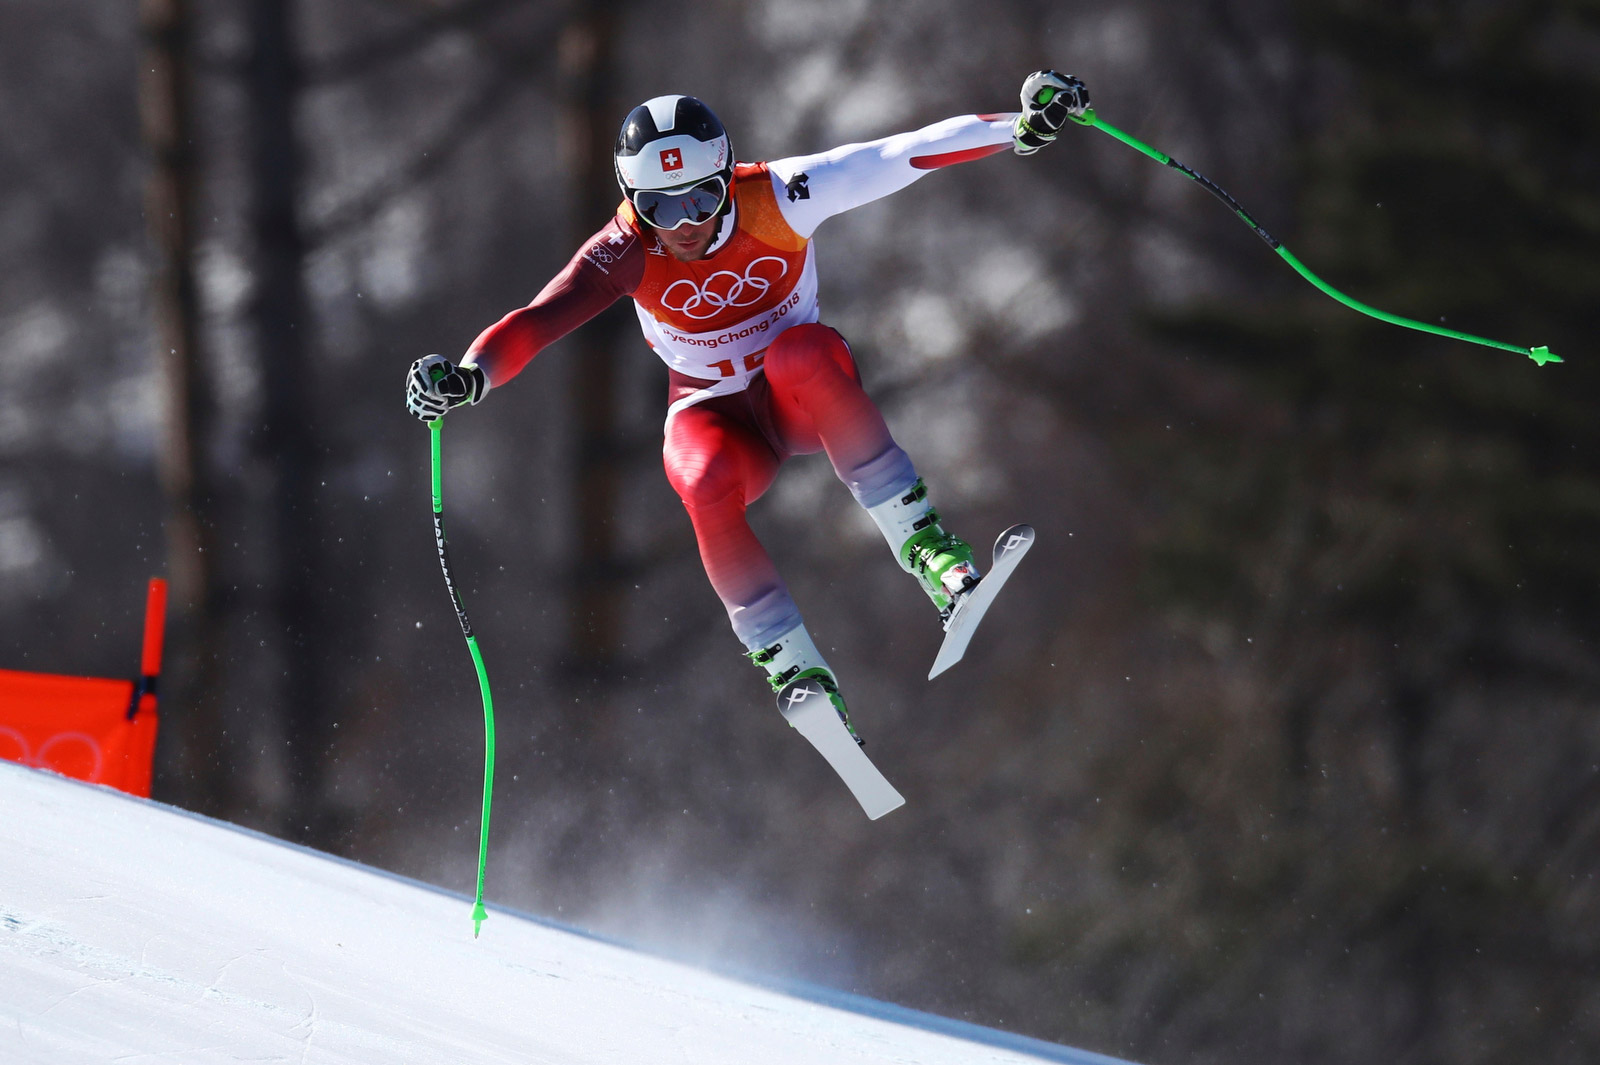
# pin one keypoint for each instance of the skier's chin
(690, 252)
(688, 243)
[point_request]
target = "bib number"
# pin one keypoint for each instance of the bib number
(752, 363)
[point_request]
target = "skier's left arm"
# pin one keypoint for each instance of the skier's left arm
(812, 188)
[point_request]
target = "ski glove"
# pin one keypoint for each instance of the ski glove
(1048, 100)
(435, 384)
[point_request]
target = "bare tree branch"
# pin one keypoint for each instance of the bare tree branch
(358, 60)
(465, 121)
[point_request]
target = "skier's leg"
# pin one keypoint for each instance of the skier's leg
(818, 403)
(718, 466)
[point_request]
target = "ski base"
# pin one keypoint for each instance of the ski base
(807, 707)
(1009, 547)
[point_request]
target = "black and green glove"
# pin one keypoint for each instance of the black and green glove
(435, 384)
(1048, 101)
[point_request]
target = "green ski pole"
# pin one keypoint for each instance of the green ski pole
(479, 914)
(1539, 355)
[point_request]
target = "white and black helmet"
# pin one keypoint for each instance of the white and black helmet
(674, 162)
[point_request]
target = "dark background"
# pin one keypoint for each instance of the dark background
(1284, 745)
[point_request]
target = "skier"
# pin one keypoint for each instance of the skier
(717, 257)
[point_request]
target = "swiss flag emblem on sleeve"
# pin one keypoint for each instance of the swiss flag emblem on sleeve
(671, 159)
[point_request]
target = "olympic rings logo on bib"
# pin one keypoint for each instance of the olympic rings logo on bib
(723, 289)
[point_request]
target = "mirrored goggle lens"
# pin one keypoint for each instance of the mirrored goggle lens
(673, 208)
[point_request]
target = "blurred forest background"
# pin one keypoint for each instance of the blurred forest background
(1286, 745)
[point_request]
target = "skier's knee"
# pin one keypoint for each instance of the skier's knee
(708, 484)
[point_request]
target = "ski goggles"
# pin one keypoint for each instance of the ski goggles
(671, 208)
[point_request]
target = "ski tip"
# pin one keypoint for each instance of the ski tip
(1018, 536)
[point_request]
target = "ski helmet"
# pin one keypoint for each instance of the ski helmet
(674, 145)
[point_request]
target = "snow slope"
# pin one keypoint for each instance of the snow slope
(134, 933)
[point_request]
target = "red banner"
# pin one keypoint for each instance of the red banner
(78, 727)
(86, 727)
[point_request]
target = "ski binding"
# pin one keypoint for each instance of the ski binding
(971, 605)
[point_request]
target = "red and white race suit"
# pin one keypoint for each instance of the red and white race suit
(739, 402)
(705, 319)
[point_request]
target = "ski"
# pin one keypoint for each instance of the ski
(1009, 547)
(806, 706)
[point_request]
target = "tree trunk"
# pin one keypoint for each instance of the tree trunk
(591, 117)
(282, 328)
(197, 774)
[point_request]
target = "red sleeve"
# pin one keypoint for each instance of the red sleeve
(608, 266)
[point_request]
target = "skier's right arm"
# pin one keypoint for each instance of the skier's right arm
(609, 265)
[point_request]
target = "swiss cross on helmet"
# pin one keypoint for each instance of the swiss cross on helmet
(674, 162)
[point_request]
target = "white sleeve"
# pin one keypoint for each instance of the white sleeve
(811, 188)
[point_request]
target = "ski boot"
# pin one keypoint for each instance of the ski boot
(942, 563)
(791, 661)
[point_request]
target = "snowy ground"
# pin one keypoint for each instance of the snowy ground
(134, 933)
